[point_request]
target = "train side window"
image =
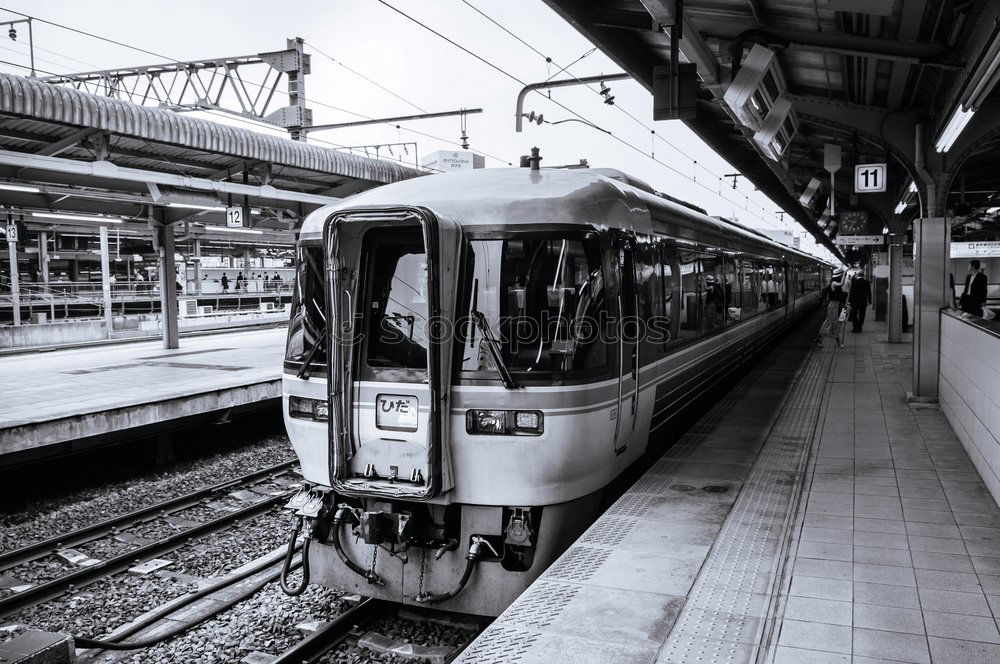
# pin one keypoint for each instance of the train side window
(780, 284)
(671, 294)
(732, 288)
(713, 314)
(693, 277)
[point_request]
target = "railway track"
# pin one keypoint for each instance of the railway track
(351, 626)
(96, 570)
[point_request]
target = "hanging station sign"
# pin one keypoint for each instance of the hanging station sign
(982, 249)
(858, 239)
(869, 178)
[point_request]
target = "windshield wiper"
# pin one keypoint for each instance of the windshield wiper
(494, 347)
(307, 361)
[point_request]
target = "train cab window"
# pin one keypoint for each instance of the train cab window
(542, 297)
(396, 306)
(307, 325)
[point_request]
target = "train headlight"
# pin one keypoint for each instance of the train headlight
(308, 409)
(504, 422)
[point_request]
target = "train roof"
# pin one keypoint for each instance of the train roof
(515, 196)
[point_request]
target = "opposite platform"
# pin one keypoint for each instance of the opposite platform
(812, 516)
(53, 399)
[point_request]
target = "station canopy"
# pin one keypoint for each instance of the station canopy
(64, 150)
(779, 80)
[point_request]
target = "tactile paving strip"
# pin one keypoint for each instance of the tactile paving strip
(739, 576)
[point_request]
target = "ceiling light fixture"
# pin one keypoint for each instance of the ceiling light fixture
(955, 125)
(190, 206)
(76, 217)
(224, 229)
(18, 187)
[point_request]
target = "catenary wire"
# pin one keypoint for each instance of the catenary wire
(568, 109)
(308, 100)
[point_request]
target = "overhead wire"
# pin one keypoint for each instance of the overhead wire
(307, 99)
(568, 109)
(719, 177)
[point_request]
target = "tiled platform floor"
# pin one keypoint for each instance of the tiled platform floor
(861, 534)
(896, 552)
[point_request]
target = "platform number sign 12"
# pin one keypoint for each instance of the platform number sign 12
(234, 217)
(869, 178)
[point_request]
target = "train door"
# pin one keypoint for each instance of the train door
(391, 276)
(624, 251)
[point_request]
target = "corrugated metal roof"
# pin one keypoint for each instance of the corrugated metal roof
(44, 101)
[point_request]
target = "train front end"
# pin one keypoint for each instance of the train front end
(455, 430)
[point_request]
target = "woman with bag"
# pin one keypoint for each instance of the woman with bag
(837, 311)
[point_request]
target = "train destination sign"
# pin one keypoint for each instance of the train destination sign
(858, 239)
(982, 249)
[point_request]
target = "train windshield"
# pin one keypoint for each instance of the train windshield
(541, 298)
(306, 345)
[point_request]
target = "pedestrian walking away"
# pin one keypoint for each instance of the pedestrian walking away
(859, 297)
(835, 296)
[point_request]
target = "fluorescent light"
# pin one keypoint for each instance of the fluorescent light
(76, 217)
(900, 206)
(189, 206)
(956, 123)
(913, 187)
(17, 187)
(226, 229)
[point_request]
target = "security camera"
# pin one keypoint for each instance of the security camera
(12, 33)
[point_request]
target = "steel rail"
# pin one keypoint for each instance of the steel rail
(45, 547)
(86, 575)
(336, 632)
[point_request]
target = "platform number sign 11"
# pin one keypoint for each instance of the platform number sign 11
(234, 217)
(869, 178)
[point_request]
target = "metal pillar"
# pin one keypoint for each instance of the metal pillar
(197, 266)
(895, 317)
(106, 280)
(43, 260)
(15, 286)
(931, 249)
(168, 287)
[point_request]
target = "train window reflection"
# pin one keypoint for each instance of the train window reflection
(308, 321)
(397, 301)
(543, 297)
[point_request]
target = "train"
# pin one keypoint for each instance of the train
(474, 357)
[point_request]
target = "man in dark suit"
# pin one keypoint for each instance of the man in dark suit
(974, 295)
(859, 297)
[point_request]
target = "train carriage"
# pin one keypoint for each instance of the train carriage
(474, 357)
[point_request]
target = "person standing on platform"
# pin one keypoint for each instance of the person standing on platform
(859, 297)
(835, 296)
(239, 281)
(225, 283)
(974, 294)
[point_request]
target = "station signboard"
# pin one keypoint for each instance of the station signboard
(234, 217)
(982, 249)
(858, 239)
(869, 178)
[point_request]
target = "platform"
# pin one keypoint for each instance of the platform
(812, 516)
(69, 397)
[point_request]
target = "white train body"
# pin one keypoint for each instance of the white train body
(427, 450)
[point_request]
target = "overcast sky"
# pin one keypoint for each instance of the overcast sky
(381, 44)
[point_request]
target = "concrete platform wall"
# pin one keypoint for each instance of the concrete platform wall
(53, 333)
(969, 391)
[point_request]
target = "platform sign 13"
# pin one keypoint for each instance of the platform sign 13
(869, 178)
